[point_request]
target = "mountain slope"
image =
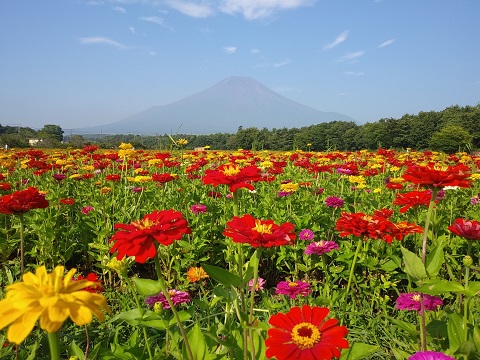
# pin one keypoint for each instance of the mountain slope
(227, 105)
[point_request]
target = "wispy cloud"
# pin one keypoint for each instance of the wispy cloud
(230, 49)
(119, 9)
(351, 57)
(155, 20)
(353, 73)
(192, 9)
(254, 51)
(282, 63)
(132, 29)
(260, 9)
(386, 43)
(338, 40)
(101, 40)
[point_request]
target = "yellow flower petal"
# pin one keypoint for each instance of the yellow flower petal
(20, 328)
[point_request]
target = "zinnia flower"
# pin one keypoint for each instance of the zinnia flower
(333, 201)
(67, 201)
(431, 177)
(430, 355)
(177, 297)
(50, 297)
(86, 210)
(303, 333)
(306, 234)
(258, 285)
(195, 274)
(259, 233)
(412, 301)
(321, 247)
(138, 238)
(468, 229)
(233, 176)
(22, 201)
(293, 288)
(198, 208)
(413, 199)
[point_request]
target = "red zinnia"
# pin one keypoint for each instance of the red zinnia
(429, 176)
(22, 201)
(67, 201)
(163, 178)
(233, 176)
(413, 199)
(468, 229)
(303, 333)
(259, 233)
(138, 238)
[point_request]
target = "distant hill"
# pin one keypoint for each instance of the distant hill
(223, 108)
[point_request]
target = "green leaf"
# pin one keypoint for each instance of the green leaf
(223, 276)
(359, 351)
(472, 289)
(440, 286)
(435, 260)
(456, 332)
(74, 350)
(408, 327)
(413, 265)
(197, 343)
(147, 287)
(476, 337)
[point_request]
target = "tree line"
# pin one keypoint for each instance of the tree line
(453, 129)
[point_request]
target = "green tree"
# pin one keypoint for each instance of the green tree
(450, 139)
(53, 132)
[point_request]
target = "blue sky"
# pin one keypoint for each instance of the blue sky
(77, 63)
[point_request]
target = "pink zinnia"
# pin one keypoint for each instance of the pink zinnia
(306, 234)
(177, 297)
(293, 288)
(333, 201)
(85, 210)
(468, 229)
(411, 301)
(430, 355)
(321, 247)
(198, 208)
(259, 286)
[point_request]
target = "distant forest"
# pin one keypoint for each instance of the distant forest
(451, 130)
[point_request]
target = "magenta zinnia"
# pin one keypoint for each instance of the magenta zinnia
(293, 288)
(412, 301)
(468, 229)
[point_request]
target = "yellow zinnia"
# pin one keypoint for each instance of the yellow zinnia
(50, 297)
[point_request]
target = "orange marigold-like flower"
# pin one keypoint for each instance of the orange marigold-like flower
(259, 233)
(304, 333)
(234, 176)
(139, 238)
(195, 274)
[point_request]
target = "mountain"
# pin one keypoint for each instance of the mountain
(223, 108)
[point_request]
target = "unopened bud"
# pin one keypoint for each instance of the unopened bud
(468, 261)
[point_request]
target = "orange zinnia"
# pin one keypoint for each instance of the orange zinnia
(195, 274)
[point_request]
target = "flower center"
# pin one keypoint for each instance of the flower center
(143, 224)
(292, 284)
(416, 297)
(305, 335)
(262, 228)
(230, 170)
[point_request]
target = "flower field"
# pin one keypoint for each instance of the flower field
(133, 254)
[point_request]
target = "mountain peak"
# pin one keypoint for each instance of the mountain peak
(222, 108)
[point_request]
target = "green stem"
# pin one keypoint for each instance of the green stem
(350, 277)
(465, 305)
(170, 303)
(140, 309)
(22, 256)
(54, 345)
(257, 256)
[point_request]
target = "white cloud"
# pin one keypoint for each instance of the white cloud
(338, 40)
(351, 57)
(101, 40)
(230, 49)
(282, 63)
(259, 9)
(119, 9)
(132, 29)
(386, 43)
(353, 73)
(254, 51)
(153, 53)
(155, 20)
(192, 9)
